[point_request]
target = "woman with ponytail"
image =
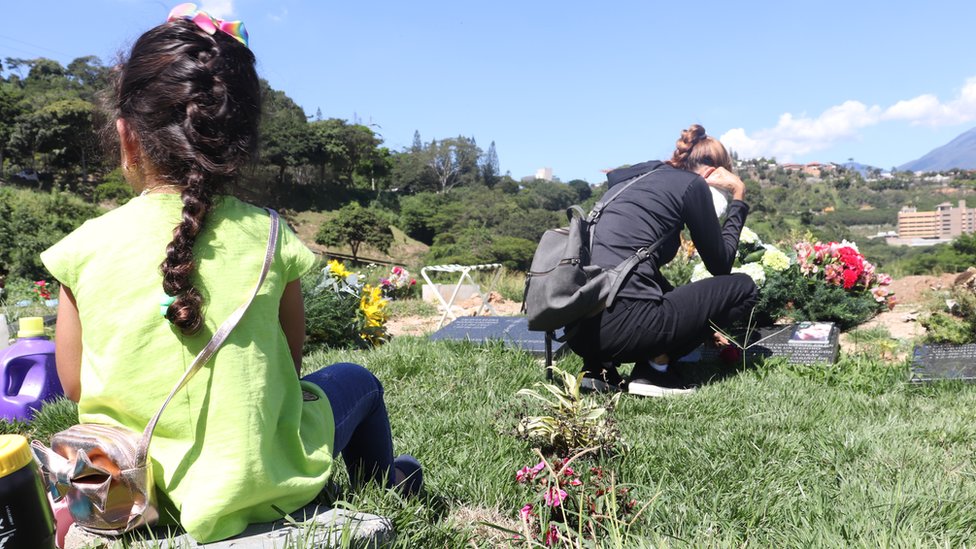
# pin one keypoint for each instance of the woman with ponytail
(651, 323)
(145, 286)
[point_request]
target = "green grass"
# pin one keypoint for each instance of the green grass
(772, 456)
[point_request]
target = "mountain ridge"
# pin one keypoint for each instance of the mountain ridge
(959, 153)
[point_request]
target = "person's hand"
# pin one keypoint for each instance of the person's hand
(723, 179)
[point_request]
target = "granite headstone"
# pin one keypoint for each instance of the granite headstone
(512, 331)
(939, 362)
(801, 343)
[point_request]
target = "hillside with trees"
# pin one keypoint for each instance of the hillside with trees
(445, 197)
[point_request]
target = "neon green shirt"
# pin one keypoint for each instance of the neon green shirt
(238, 439)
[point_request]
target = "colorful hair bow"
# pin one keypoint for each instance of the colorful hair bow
(208, 23)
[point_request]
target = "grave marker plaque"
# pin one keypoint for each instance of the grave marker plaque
(801, 343)
(940, 361)
(512, 331)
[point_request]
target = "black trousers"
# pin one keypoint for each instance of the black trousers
(634, 330)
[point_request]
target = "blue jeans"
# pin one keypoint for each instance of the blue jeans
(362, 427)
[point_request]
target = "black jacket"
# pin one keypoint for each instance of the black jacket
(650, 210)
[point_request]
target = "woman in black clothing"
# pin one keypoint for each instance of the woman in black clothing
(651, 323)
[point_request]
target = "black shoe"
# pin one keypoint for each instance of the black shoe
(606, 379)
(646, 381)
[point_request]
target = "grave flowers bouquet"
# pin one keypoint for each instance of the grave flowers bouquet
(829, 281)
(399, 284)
(341, 311)
(812, 281)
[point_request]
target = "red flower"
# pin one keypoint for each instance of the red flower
(850, 278)
(730, 354)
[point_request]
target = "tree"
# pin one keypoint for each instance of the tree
(285, 137)
(452, 160)
(582, 188)
(65, 132)
(489, 166)
(355, 226)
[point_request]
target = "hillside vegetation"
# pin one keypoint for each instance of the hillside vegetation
(437, 201)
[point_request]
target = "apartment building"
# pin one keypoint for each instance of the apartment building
(947, 221)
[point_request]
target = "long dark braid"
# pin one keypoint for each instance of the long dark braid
(193, 101)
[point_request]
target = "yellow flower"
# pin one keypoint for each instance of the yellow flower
(372, 304)
(338, 269)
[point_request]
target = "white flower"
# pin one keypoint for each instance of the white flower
(849, 244)
(748, 236)
(774, 259)
(699, 272)
(755, 272)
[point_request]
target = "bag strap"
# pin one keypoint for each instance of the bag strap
(215, 342)
(627, 265)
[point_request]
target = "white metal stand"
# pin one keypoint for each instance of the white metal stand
(465, 272)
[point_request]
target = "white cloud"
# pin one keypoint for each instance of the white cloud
(280, 16)
(799, 135)
(221, 9)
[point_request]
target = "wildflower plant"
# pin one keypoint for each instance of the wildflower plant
(341, 311)
(571, 503)
(575, 421)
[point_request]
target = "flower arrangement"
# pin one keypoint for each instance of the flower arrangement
(342, 311)
(398, 284)
(41, 291)
(841, 264)
(568, 505)
(753, 257)
(812, 281)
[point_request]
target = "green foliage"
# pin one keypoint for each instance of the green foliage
(354, 226)
(575, 422)
(340, 311)
(32, 222)
(952, 317)
(513, 252)
(678, 270)
(789, 294)
(114, 188)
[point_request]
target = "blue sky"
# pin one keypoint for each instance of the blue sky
(585, 86)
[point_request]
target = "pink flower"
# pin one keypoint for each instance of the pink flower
(538, 467)
(524, 474)
(554, 496)
(576, 482)
(526, 512)
(552, 535)
(568, 471)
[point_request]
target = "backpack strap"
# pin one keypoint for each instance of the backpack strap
(621, 271)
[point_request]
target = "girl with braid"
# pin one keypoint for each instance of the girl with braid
(144, 287)
(651, 323)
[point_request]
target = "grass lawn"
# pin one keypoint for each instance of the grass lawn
(773, 456)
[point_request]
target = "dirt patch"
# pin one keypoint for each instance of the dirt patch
(478, 519)
(426, 325)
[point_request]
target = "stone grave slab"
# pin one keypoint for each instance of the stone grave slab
(315, 527)
(942, 362)
(801, 343)
(512, 331)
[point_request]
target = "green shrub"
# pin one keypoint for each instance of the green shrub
(114, 188)
(791, 295)
(31, 222)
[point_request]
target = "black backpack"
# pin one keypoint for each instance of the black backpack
(562, 286)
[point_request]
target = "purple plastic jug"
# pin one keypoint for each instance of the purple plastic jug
(27, 372)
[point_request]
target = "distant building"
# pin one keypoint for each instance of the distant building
(947, 221)
(544, 174)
